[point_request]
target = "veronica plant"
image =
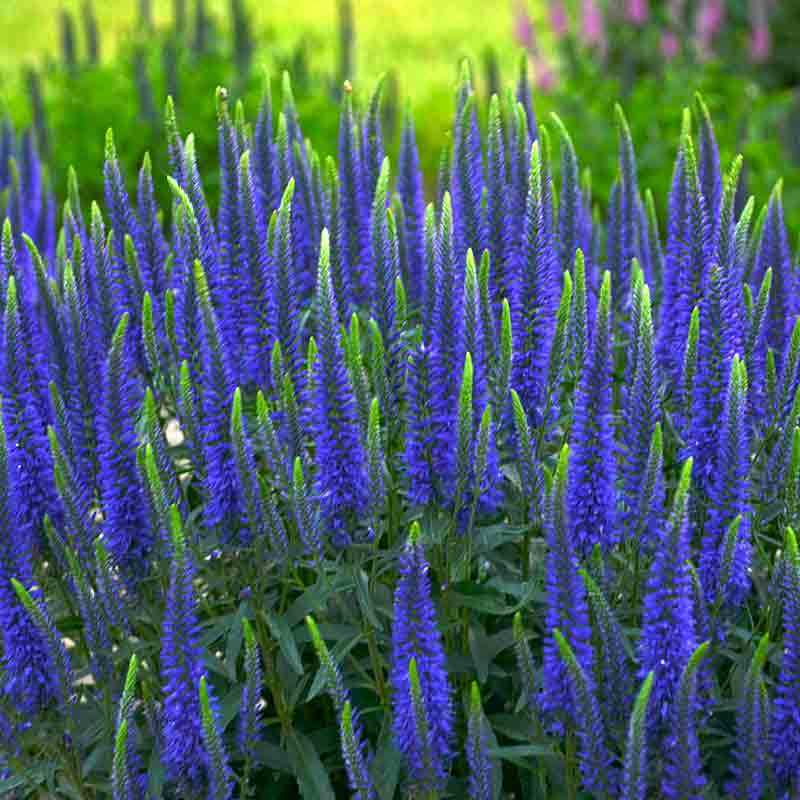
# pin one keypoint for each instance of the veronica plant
(217, 421)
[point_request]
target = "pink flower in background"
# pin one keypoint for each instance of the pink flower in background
(710, 17)
(670, 45)
(523, 27)
(558, 18)
(760, 44)
(708, 22)
(760, 39)
(637, 11)
(592, 26)
(544, 77)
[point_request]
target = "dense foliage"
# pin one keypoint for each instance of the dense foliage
(187, 53)
(333, 493)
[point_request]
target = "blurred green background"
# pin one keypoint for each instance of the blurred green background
(421, 40)
(145, 52)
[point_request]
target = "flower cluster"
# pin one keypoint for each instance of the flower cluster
(217, 423)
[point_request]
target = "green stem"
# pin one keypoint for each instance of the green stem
(377, 666)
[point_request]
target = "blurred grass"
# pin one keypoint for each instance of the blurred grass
(421, 40)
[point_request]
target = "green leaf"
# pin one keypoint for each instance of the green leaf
(273, 757)
(312, 778)
(280, 630)
(233, 646)
(361, 582)
(315, 598)
(229, 706)
(385, 766)
(523, 755)
(479, 598)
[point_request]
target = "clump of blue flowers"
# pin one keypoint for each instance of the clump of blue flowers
(327, 492)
